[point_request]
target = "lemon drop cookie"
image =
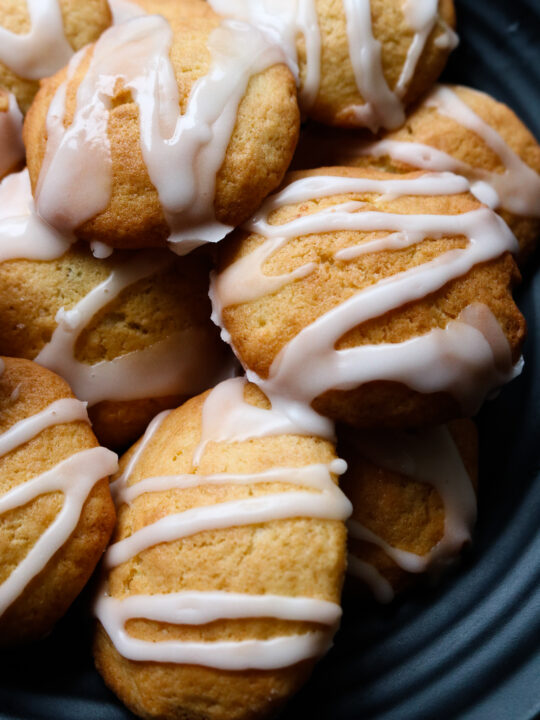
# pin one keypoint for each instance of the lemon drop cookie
(377, 299)
(223, 580)
(56, 512)
(414, 502)
(357, 63)
(191, 122)
(39, 37)
(130, 332)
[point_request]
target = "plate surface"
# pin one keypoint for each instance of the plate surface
(468, 649)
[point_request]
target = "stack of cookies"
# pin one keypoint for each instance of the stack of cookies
(255, 242)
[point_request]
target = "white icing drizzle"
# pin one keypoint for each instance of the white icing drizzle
(11, 144)
(320, 498)
(227, 417)
(182, 152)
(431, 457)
(382, 590)
(43, 50)
(132, 375)
(196, 608)
(517, 189)
(61, 411)
(283, 22)
(74, 477)
(124, 10)
(23, 234)
(468, 358)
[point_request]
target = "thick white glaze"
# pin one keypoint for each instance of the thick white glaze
(517, 189)
(23, 234)
(182, 152)
(74, 477)
(283, 22)
(11, 144)
(468, 358)
(42, 51)
(318, 496)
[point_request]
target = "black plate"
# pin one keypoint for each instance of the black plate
(469, 649)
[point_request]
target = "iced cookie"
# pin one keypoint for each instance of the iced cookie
(414, 502)
(358, 64)
(194, 121)
(131, 333)
(376, 299)
(56, 512)
(223, 580)
(468, 132)
(39, 37)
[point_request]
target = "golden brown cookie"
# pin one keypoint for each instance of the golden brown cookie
(280, 556)
(413, 497)
(52, 537)
(82, 23)
(478, 137)
(364, 298)
(256, 157)
(137, 336)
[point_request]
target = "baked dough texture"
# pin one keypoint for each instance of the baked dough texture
(257, 157)
(338, 89)
(170, 300)
(260, 328)
(427, 126)
(83, 23)
(405, 512)
(291, 557)
(27, 389)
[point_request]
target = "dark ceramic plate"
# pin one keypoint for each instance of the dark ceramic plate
(469, 649)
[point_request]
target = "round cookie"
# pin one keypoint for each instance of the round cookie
(359, 64)
(414, 505)
(231, 145)
(466, 131)
(11, 144)
(379, 300)
(56, 512)
(240, 525)
(131, 333)
(54, 29)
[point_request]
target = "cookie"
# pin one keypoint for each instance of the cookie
(38, 37)
(468, 132)
(223, 580)
(131, 333)
(376, 299)
(414, 502)
(56, 512)
(358, 64)
(182, 167)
